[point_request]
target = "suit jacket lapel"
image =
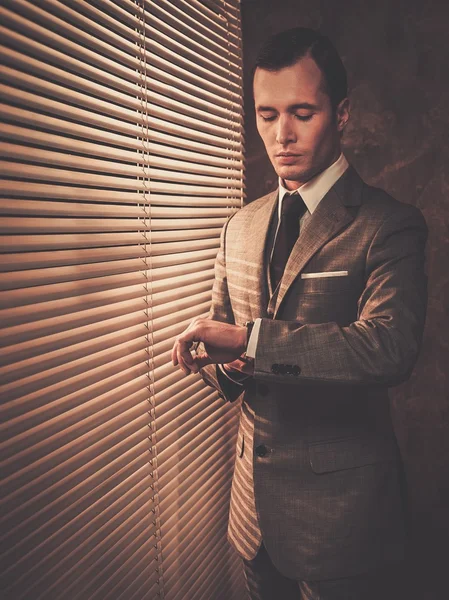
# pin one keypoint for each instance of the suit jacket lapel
(330, 217)
(256, 243)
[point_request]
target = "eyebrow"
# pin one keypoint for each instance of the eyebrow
(292, 107)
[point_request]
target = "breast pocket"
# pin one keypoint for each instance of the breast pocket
(349, 453)
(326, 284)
(325, 299)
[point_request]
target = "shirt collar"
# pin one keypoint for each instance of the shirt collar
(313, 191)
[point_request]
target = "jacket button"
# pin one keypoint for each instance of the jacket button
(296, 370)
(262, 389)
(261, 450)
(275, 369)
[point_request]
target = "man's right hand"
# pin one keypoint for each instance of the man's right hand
(222, 342)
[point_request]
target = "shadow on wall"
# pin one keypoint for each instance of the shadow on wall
(396, 54)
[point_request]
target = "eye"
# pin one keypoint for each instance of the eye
(268, 118)
(304, 117)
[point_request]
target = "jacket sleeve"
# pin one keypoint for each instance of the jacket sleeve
(382, 345)
(221, 310)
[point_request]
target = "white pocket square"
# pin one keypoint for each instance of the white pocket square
(324, 274)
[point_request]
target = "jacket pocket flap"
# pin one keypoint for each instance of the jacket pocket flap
(348, 453)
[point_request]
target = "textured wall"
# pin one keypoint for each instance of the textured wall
(397, 56)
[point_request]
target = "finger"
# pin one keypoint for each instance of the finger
(184, 352)
(180, 352)
(196, 320)
(202, 360)
(175, 349)
(183, 366)
(176, 357)
(193, 358)
(179, 360)
(174, 353)
(182, 356)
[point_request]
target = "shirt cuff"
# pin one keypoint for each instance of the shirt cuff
(235, 378)
(253, 339)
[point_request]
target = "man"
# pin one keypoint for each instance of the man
(318, 307)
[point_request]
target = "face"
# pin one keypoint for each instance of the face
(296, 122)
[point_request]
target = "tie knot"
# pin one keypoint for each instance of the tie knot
(293, 205)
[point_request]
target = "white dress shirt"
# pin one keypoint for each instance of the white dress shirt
(312, 192)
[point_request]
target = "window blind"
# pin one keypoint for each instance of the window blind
(121, 159)
(199, 44)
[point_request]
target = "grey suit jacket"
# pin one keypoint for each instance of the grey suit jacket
(328, 490)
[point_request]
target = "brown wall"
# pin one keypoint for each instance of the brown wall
(397, 56)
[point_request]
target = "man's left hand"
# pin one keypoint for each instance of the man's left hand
(223, 343)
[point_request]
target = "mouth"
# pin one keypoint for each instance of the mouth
(287, 158)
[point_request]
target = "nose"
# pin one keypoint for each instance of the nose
(285, 133)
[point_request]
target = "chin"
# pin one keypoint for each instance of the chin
(293, 174)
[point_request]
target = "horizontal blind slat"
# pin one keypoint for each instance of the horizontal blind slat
(84, 515)
(52, 208)
(194, 561)
(159, 167)
(106, 534)
(102, 27)
(202, 464)
(72, 494)
(55, 86)
(74, 505)
(187, 184)
(61, 224)
(90, 354)
(133, 573)
(195, 20)
(43, 480)
(194, 520)
(131, 526)
(162, 279)
(123, 65)
(63, 241)
(23, 350)
(48, 326)
(184, 67)
(179, 34)
(73, 309)
(53, 270)
(68, 68)
(57, 15)
(133, 549)
(180, 160)
(77, 130)
(37, 433)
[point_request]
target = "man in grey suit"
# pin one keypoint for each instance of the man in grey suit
(318, 307)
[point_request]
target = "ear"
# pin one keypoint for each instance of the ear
(342, 113)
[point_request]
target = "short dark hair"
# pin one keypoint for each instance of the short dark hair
(285, 48)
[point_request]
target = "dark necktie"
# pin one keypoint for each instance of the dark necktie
(293, 208)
